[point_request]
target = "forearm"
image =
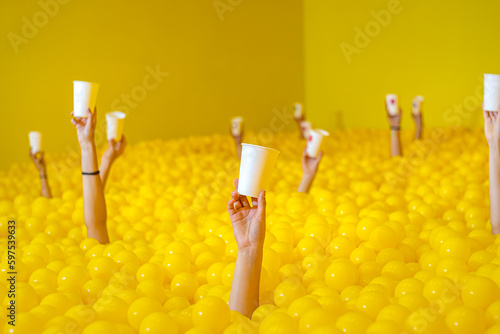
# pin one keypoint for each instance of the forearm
(244, 296)
(46, 187)
(418, 131)
(45, 183)
(104, 169)
(305, 183)
(395, 143)
(494, 171)
(93, 196)
(238, 149)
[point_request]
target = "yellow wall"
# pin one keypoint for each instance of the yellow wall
(438, 49)
(246, 64)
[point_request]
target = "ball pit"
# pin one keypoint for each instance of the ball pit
(379, 245)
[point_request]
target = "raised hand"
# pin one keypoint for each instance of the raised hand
(249, 222)
(85, 127)
(115, 148)
(394, 120)
(310, 165)
(249, 227)
(309, 169)
(491, 127)
(39, 161)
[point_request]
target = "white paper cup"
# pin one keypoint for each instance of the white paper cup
(416, 104)
(491, 92)
(256, 167)
(392, 104)
(84, 97)
(314, 142)
(35, 141)
(305, 127)
(298, 111)
(114, 125)
(236, 126)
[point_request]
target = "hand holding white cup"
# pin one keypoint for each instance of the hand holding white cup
(314, 142)
(35, 141)
(417, 104)
(236, 126)
(391, 101)
(115, 121)
(256, 166)
(84, 97)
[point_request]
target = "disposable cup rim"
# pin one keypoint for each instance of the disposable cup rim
(34, 132)
(324, 133)
(237, 119)
(262, 147)
(491, 77)
(90, 82)
(117, 114)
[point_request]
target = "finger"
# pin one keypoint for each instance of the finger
(72, 114)
(262, 205)
(244, 201)
(73, 121)
(255, 202)
(236, 182)
(230, 207)
(485, 114)
(236, 197)
(237, 205)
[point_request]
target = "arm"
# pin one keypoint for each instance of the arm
(309, 169)
(249, 227)
(298, 122)
(237, 141)
(418, 124)
(394, 122)
(39, 161)
(395, 143)
(114, 150)
(93, 194)
(492, 133)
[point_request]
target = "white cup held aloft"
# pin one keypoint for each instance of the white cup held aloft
(392, 104)
(84, 97)
(491, 92)
(314, 142)
(35, 141)
(256, 167)
(114, 125)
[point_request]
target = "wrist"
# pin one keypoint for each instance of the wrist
(493, 144)
(251, 253)
(87, 146)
